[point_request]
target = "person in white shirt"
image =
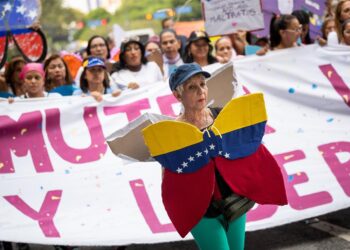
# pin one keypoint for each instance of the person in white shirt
(170, 46)
(133, 69)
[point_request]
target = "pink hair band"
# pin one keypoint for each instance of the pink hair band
(38, 67)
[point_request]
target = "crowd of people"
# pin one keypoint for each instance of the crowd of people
(140, 65)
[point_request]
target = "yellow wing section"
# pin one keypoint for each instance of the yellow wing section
(166, 136)
(240, 112)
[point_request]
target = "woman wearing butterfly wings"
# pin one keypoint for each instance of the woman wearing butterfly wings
(215, 167)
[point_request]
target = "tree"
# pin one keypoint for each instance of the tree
(55, 22)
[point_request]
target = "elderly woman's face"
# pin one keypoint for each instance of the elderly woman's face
(132, 55)
(195, 93)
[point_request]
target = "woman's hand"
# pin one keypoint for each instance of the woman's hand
(133, 85)
(262, 51)
(97, 96)
(321, 41)
(10, 100)
(222, 59)
(35, 26)
(116, 93)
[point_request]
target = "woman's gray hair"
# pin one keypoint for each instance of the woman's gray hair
(180, 89)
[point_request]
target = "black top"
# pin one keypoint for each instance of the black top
(225, 190)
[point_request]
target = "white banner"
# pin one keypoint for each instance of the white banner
(228, 16)
(307, 94)
(60, 183)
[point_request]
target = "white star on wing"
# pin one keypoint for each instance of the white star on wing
(7, 7)
(199, 154)
(190, 158)
(206, 151)
(21, 9)
(212, 146)
(179, 170)
(184, 164)
(227, 155)
(32, 14)
(220, 152)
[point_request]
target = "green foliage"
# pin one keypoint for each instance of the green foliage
(56, 20)
(98, 13)
(196, 9)
(130, 11)
(86, 33)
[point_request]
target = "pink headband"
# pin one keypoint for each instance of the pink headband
(38, 67)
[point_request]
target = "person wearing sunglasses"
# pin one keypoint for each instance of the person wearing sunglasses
(284, 32)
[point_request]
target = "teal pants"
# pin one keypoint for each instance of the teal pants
(210, 234)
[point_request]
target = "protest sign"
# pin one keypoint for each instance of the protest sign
(227, 16)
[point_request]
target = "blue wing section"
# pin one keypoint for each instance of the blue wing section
(232, 145)
(18, 14)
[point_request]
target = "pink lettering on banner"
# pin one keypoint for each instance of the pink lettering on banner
(341, 170)
(337, 82)
(268, 129)
(132, 110)
(146, 208)
(46, 213)
(165, 104)
(261, 212)
(93, 152)
(22, 137)
(295, 201)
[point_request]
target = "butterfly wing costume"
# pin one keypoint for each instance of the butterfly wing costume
(232, 145)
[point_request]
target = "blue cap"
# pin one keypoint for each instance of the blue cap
(93, 62)
(183, 73)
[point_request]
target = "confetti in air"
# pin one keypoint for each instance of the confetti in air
(287, 157)
(329, 74)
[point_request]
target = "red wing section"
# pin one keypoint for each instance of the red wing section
(32, 44)
(186, 197)
(3, 50)
(256, 176)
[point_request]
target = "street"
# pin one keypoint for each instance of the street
(305, 235)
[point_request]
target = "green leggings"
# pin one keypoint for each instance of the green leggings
(209, 234)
